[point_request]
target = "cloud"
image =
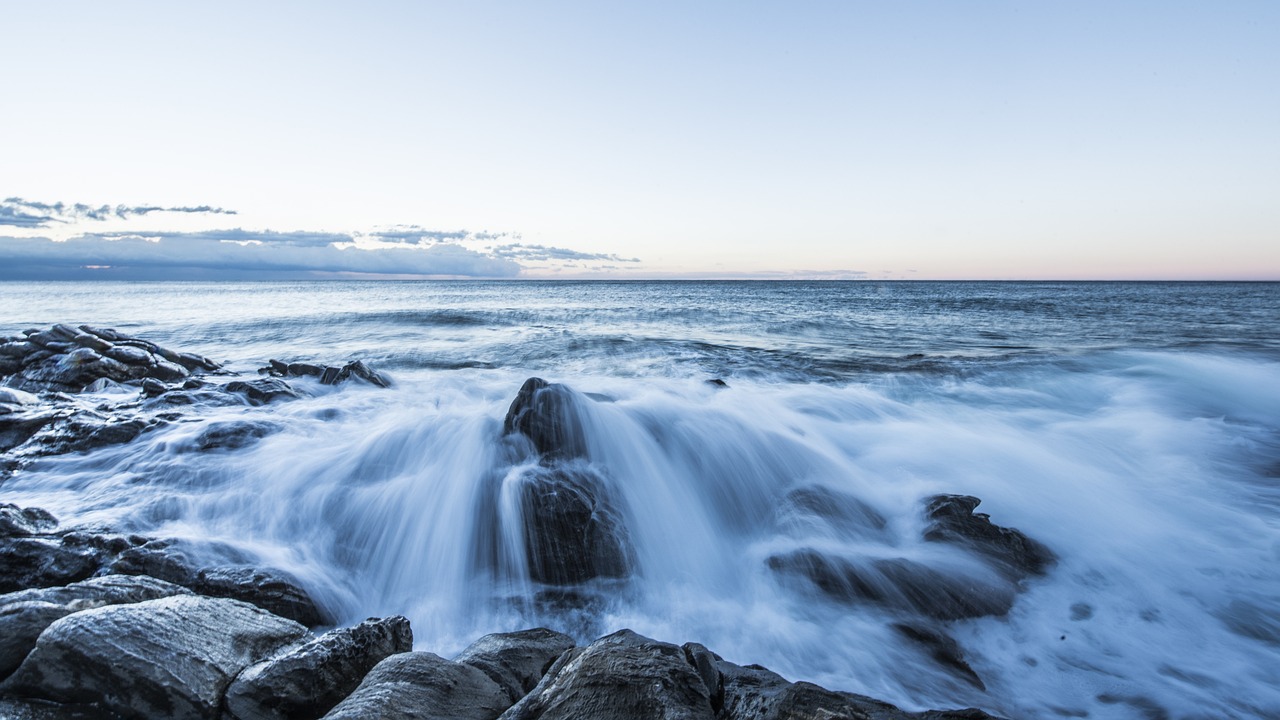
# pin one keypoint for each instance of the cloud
(236, 254)
(16, 212)
(520, 251)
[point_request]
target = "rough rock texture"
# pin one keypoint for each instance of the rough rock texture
(67, 359)
(16, 521)
(310, 679)
(546, 414)
(328, 374)
(953, 520)
(233, 434)
(518, 660)
(26, 614)
(38, 562)
(621, 676)
(172, 657)
(423, 686)
(900, 584)
(269, 589)
(573, 531)
(263, 391)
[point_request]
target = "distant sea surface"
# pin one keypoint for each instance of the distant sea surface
(1132, 428)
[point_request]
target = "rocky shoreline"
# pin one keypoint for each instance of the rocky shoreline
(100, 624)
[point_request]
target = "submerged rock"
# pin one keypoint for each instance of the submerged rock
(572, 529)
(953, 520)
(172, 657)
(620, 676)
(423, 686)
(817, 507)
(516, 661)
(944, 650)
(310, 679)
(263, 391)
(900, 584)
(547, 415)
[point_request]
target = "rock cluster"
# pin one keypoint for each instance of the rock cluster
(328, 374)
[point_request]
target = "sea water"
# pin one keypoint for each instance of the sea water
(1133, 428)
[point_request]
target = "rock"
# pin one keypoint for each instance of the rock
(572, 530)
(423, 686)
(18, 428)
(547, 415)
(93, 342)
(162, 559)
(260, 392)
(15, 709)
(12, 396)
(820, 507)
(171, 658)
(233, 434)
(85, 431)
(16, 521)
(130, 355)
(271, 590)
(310, 679)
(954, 521)
(516, 661)
(168, 371)
(359, 370)
(69, 372)
(717, 382)
(704, 662)
(327, 375)
(620, 676)
(39, 562)
(300, 369)
(900, 584)
(330, 376)
(153, 388)
(944, 650)
(26, 614)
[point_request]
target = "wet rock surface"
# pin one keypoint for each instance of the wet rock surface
(516, 661)
(328, 374)
(573, 531)
(423, 685)
(547, 414)
(953, 520)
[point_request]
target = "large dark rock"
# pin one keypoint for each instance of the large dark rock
(262, 391)
(38, 562)
(517, 660)
(953, 520)
(271, 590)
(328, 374)
(900, 584)
(621, 676)
(548, 415)
(423, 686)
(163, 559)
(233, 434)
(85, 431)
(573, 531)
(310, 679)
(171, 658)
(26, 614)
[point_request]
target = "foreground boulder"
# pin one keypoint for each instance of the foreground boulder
(621, 676)
(172, 657)
(26, 614)
(423, 686)
(573, 531)
(953, 520)
(516, 661)
(310, 679)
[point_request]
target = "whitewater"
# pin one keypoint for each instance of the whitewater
(1131, 428)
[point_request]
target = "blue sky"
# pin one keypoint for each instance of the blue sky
(915, 139)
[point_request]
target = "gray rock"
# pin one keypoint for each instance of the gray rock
(622, 676)
(361, 371)
(953, 520)
(38, 562)
(13, 396)
(310, 679)
(162, 559)
(517, 660)
(130, 355)
(15, 521)
(573, 530)
(548, 415)
(423, 686)
(271, 590)
(91, 341)
(26, 614)
(233, 434)
(171, 658)
(19, 427)
(168, 371)
(15, 709)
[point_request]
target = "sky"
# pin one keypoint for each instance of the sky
(916, 140)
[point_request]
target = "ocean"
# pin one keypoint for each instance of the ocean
(1133, 429)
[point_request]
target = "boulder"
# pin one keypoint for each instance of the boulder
(423, 686)
(26, 613)
(572, 529)
(271, 590)
(262, 391)
(38, 562)
(900, 584)
(516, 661)
(953, 520)
(233, 434)
(621, 676)
(548, 416)
(17, 428)
(162, 559)
(310, 679)
(173, 657)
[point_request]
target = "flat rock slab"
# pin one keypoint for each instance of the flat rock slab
(310, 679)
(171, 658)
(423, 686)
(623, 676)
